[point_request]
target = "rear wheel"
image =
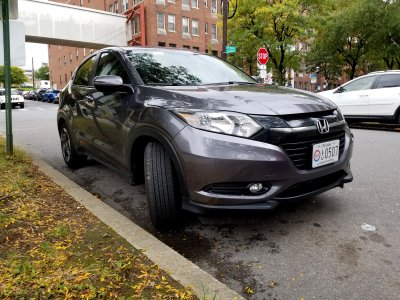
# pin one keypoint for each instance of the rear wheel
(72, 159)
(163, 193)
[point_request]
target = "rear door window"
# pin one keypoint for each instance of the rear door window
(388, 81)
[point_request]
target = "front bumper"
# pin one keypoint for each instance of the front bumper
(209, 158)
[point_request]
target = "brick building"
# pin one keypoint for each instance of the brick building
(189, 24)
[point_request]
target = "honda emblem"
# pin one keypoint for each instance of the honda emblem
(322, 125)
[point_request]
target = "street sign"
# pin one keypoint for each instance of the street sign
(262, 56)
(230, 49)
(313, 78)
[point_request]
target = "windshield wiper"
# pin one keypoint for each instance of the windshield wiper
(231, 82)
(165, 83)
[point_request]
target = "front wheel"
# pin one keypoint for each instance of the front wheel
(72, 159)
(163, 193)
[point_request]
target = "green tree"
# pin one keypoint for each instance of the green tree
(17, 75)
(42, 73)
(276, 24)
(346, 36)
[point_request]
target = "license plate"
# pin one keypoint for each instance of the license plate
(325, 153)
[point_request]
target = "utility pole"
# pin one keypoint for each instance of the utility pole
(225, 8)
(33, 76)
(7, 77)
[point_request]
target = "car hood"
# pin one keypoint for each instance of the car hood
(249, 99)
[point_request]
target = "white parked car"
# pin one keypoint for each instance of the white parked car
(372, 97)
(16, 99)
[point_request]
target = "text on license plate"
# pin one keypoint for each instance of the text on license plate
(325, 153)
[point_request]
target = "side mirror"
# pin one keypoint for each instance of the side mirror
(108, 83)
(339, 90)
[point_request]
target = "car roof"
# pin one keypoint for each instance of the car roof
(151, 49)
(386, 71)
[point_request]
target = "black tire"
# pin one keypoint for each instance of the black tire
(22, 105)
(163, 193)
(72, 159)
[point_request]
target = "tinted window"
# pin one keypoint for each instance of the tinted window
(389, 80)
(109, 64)
(82, 76)
(183, 68)
(363, 83)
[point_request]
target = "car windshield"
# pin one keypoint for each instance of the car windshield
(3, 92)
(184, 68)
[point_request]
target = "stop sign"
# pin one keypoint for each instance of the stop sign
(262, 56)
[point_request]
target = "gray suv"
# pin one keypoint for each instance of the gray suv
(201, 134)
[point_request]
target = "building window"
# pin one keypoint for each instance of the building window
(66, 79)
(136, 2)
(206, 28)
(195, 27)
(160, 20)
(161, 23)
(111, 8)
(195, 3)
(171, 1)
(124, 5)
(65, 60)
(77, 53)
(186, 5)
(172, 45)
(161, 44)
(215, 52)
(171, 22)
(70, 57)
(214, 32)
(186, 46)
(116, 7)
(84, 52)
(196, 49)
(60, 80)
(162, 2)
(205, 3)
(135, 25)
(214, 6)
(185, 25)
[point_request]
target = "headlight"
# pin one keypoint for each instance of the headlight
(222, 122)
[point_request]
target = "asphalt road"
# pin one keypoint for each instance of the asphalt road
(316, 249)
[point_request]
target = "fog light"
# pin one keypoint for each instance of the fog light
(255, 187)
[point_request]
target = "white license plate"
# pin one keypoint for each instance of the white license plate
(325, 153)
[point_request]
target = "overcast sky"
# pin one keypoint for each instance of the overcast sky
(38, 52)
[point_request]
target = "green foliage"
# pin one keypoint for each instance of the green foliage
(277, 25)
(17, 75)
(43, 73)
(360, 35)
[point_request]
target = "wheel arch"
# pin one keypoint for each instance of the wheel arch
(397, 115)
(136, 158)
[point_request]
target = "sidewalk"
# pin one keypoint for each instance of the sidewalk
(179, 268)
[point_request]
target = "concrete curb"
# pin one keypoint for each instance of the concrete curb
(179, 268)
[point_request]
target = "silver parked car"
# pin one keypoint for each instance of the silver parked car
(201, 134)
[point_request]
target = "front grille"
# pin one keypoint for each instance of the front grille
(310, 186)
(300, 150)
